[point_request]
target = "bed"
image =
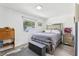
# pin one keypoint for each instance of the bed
(51, 38)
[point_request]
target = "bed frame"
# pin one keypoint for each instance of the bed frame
(50, 48)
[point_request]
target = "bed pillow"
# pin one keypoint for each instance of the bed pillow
(47, 31)
(55, 31)
(34, 30)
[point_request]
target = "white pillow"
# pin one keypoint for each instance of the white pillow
(47, 31)
(55, 31)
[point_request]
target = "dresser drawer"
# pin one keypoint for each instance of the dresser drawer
(68, 40)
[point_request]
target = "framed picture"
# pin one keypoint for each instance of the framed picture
(39, 24)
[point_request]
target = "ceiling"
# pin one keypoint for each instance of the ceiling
(48, 10)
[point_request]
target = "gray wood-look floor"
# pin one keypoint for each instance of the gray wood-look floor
(64, 50)
(61, 50)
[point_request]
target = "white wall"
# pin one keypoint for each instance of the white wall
(14, 19)
(67, 21)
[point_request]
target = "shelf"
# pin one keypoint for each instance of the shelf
(6, 47)
(7, 41)
(7, 35)
(8, 44)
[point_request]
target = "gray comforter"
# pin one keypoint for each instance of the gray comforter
(47, 38)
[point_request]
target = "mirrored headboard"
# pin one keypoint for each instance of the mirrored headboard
(58, 26)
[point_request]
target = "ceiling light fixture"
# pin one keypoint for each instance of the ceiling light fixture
(39, 7)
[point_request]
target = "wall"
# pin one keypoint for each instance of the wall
(67, 21)
(77, 12)
(12, 18)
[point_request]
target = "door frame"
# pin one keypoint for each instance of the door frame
(76, 39)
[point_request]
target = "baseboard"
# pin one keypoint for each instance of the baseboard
(26, 44)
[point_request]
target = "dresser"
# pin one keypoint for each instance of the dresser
(68, 39)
